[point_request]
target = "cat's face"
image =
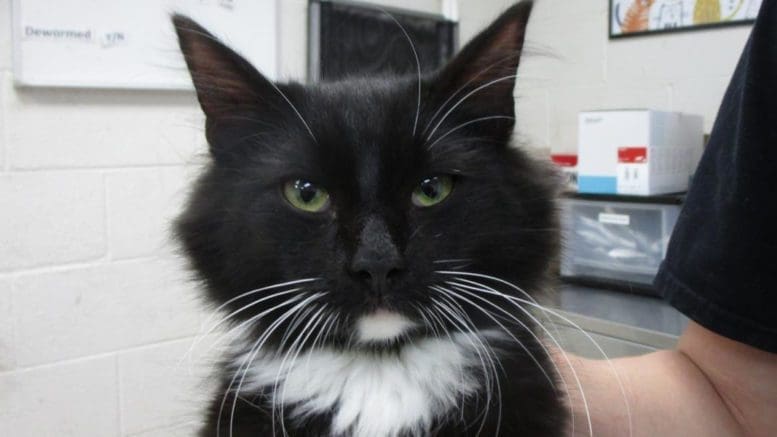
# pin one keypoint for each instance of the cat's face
(344, 210)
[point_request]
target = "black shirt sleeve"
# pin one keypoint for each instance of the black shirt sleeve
(721, 264)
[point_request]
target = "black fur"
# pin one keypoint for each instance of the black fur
(241, 234)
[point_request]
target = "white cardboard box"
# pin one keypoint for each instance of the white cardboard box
(672, 144)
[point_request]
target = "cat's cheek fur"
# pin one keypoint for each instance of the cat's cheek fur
(370, 393)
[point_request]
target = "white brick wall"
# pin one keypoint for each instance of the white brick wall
(103, 308)
(95, 308)
(77, 398)
(141, 204)
(95, 311)
(98, 129)
(58, 217)
(5, 35)
(7, 357)
(179, 387)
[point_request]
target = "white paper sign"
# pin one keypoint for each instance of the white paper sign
(131, 43)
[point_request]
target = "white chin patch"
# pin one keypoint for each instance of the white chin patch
(382, 326)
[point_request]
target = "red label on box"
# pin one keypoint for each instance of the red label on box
(564, 160)
(632, 155)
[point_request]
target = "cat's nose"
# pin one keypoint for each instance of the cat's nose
(377, 259)
(377, 269)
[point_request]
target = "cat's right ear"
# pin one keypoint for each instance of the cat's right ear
(225, 82)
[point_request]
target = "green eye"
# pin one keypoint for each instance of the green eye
(432, 191)
(306, 196)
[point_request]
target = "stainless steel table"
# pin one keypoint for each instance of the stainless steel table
(622, 324)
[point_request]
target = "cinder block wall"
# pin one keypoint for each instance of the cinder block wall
(95, 309)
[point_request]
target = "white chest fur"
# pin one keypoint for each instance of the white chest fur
(371, 394)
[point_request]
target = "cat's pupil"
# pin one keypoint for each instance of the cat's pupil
(430, 188)
(307, 191)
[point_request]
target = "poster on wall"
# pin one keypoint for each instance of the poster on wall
(644, 17)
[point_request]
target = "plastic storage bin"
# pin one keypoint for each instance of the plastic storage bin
(618, 243)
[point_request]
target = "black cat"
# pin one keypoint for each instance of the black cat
(371, 240)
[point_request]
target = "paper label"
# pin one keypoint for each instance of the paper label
(614, 219)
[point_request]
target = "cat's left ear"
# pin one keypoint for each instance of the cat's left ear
(485, 69)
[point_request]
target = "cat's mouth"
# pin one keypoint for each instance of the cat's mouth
(382, 326)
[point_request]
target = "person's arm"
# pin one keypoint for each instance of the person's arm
(709, 386)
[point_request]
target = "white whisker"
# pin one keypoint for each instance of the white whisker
(463, 99)
(427, 322)
(599, 348)
(460, 274)
(259, 290)
(463, 87)
(232, 382)
(556, 314)
(251, 356)
(444, 261)
(489, 372)
(534, 336)
(247, 324)
(492, 358)
(463, 125)
(492, 291)
(296, 347)
(296, 321)
(216, 311)
(453, 294)
(229, 316)
(417, 63)
(322, 335)
(296, 111)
